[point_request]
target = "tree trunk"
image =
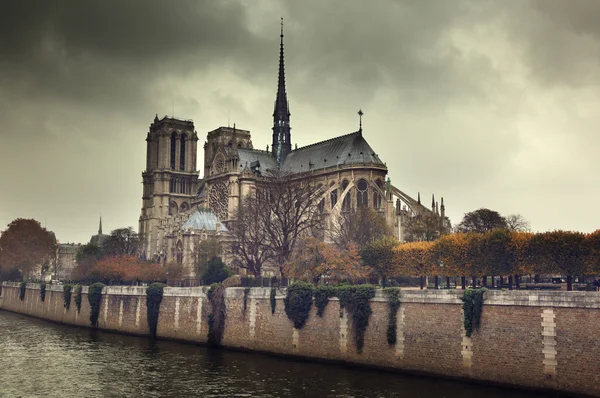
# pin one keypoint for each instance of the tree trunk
(447, 282)
(536, 278)
(510, 282)
(518, 281)
(437, 282)
(463, 283)
(422, 282)
(569, 283)
(493, 281)
(501, 282)
(485, 281)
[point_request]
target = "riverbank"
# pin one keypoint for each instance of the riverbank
(536, 340)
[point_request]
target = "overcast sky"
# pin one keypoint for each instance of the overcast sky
(486, 103)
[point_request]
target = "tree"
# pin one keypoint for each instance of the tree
(593, 258)
(174, 271)
(115, 269)
(414, 259)
(482, 220)
(379, 255)
(424, 227)
(359, 226)
(517, 223)
(25, 245)
(122, 242)
(216, 272)
(315, 259)
(204, 251)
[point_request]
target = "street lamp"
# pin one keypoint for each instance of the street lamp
(442, 273)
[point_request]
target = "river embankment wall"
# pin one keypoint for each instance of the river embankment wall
(531, 339)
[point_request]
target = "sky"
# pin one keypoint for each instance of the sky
(487, 103)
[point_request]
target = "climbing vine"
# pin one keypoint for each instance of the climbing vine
(393, 294)
(95, 298)
(42, 291)
(273, 300)
(154, 295)
(246, 293)
(322, 296)
(356, 300)
(78, 297)
(298, 301)
(472, 308)
(216, 318)
(23, 289)
(67, 296)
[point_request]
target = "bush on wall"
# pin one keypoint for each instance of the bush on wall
(393, 294)
(78, 297)
(273, 300)
(298, 301)
(154, 295)
(216, 318)
(246, 292)
(95, 298)
(22, 290)
(472, 308)
(42, 291)
(322, 296)
(67, 296)
(356, 300)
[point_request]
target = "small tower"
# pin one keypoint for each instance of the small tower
(419, 197)
(100, 227)
(433, 203)
(282, 144)
(443, 209)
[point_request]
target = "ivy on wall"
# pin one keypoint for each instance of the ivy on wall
(154, 295)
(22, 290)
(273, 300)
(393, 294)
(298, 301)
(322, 295)
(355, 298)
(472, 308)
(78, 297)
(95, 298)
(246, 293)
(42, 291)
(216, 318)
(67, 296)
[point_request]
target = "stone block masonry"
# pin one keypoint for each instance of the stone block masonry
(538, 340)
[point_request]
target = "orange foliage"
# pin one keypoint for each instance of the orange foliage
(414, 259)
(126, 269)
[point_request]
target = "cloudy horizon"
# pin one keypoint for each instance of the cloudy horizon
(489, 103)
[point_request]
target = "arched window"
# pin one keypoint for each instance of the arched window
(179, 252)
(172, 208)
(362, 194)
(185, 206)
(333, 195)
(173, 149)
(377, 195)
(346, 202)
(182, 152)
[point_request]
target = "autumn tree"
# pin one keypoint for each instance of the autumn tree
(414, 259)
(453, 254)
(25, 245)
(517, 223)
(379, 255)
(359, 226)
(424, 227)
(121, 242)
(115, 269)
(87, 256)
(593, 257)
(482, 220)
(315, 259)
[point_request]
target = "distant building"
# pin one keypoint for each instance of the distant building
(99, 239)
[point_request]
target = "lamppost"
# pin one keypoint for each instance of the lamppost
(441, 273)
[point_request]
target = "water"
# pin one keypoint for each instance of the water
(42, 359)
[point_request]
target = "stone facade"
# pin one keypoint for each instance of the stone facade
(538, 340)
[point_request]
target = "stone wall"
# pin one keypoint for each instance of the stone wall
(539, 340)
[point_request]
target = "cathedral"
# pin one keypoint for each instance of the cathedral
(180, 209)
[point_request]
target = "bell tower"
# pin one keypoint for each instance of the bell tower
(170, 180)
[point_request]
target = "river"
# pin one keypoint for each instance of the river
(43, 359)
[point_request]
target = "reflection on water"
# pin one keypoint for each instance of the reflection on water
(41, 359)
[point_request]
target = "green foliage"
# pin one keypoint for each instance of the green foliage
(355, 298)
(78, 289)
(154, 295)
(379, 255)
(472, 308)
(22, 290)
(246, 292)
(273, 300)
(216, 318)
(67, 296)
(298, 302)
(322, 295)
(95, 298)
(393, 294)
(42, 291)
(216, 272)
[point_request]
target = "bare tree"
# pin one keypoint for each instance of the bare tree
(122, 241)
(424, 227)
(517, 223)
(358, 226)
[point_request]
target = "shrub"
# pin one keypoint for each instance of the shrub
(393, 294)
(154, 295)
(216, 272)
(356, 300)
(322, 296)
(42, 291)
(78, 297)
(298, 302)
(67, 296)
(472, 308)
(95, 298)
(22, 290)
(216, 318)
(273, 300)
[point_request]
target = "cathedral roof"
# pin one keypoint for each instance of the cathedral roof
(203, 219)
(262, 160)
(343, 150)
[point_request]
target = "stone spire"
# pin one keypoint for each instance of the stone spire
(419, 197)
(433, 203)
(282, 144)
(443, 209)
(100, 227)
